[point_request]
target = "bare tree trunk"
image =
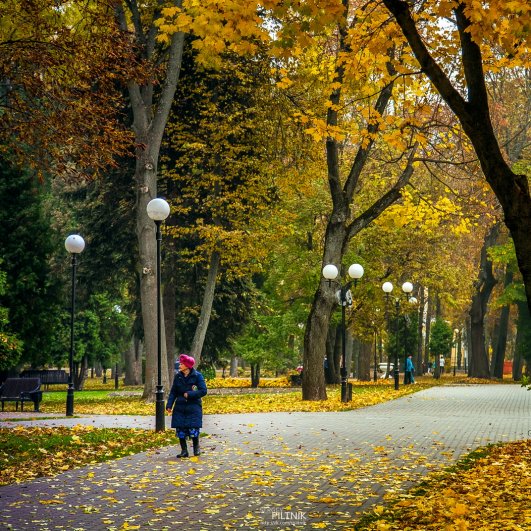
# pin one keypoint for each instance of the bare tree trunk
(503, 327)
(80, 373)
(169, 322)
(479, 361)
(429, 313)
(234, 367)
(331, 363)
(206, 307)
(523, 327)
(133, 362)
(255, 374)
(420, 365)
(364, 363)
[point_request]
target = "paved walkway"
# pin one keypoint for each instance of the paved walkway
(272, 471)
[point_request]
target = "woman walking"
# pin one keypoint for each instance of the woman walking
(185, 399)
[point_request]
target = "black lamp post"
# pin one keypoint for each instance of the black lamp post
(375, 371)
(407, 288)
(158, 210)
(344, 298)
(74, 244)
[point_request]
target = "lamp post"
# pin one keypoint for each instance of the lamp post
(407, 288)
(158, 210)
(330, 273)
(456, 339)
(74, 244)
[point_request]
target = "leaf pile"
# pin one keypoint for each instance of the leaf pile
(28, 453)
(493, 493)
(223, 383)
(104, 403)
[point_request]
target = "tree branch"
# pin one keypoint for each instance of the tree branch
(385, 201)
(400, 11)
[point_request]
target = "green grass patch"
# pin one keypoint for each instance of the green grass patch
(27, 453)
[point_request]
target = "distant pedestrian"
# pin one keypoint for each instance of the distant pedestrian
(185, 399)
(441, 364)
(409, 370)
(430, 365)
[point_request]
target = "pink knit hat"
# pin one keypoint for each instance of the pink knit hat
(187, 361)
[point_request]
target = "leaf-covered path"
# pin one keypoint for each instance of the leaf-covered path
(273, 471)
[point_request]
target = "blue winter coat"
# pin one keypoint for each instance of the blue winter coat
(187, 412)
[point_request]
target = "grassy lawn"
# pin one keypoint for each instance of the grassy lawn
(28, 453)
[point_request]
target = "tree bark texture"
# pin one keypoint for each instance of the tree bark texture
(520, 348)
(255, 375)
(332, 364)
(133, 362)
(501, 340)
(206, 307)
(429, 313)
(234, 367)
(479, 362)
(364, 362)
(169, 323)
(420, 365)
(511, 189)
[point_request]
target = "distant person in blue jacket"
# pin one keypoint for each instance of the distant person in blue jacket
(185, 399)
(409, 370)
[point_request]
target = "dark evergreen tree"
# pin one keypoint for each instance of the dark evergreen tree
(33, 294)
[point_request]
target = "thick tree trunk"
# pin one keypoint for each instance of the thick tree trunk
(80, 373)
(206, 308)
(479, 362)
(147, 266)
(313, 381)
(332, 363)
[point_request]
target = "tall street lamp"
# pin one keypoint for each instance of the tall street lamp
(407, 288)
(330, 273)
(158, 210)
(74, 244)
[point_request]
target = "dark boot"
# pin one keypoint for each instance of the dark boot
(195, 441)
(184, 448)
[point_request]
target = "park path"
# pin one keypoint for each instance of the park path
(272, 471)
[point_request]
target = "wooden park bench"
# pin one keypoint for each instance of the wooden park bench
(47, 376)
(21, 390)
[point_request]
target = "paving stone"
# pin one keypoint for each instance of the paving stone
(302, 468)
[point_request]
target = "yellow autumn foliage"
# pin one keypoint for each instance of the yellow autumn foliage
(492, 494)
(364, 394)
